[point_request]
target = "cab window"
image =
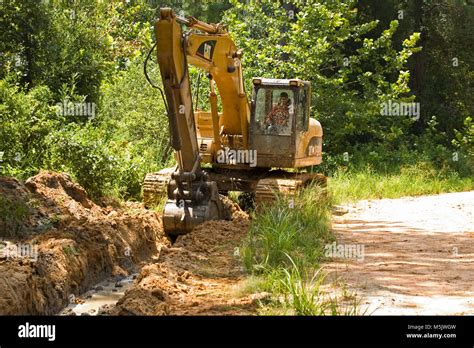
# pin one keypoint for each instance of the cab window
(274, 111)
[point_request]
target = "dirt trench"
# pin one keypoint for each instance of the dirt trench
(200, 274)
(71, 243)
(84, 250)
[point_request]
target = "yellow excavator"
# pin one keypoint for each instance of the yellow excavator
(259, 148)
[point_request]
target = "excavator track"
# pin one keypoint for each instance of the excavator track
(284, 183)
(266, 190)
(155, 187)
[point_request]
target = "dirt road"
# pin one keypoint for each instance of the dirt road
(418, 254)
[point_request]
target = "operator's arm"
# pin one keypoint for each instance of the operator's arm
(269, 118)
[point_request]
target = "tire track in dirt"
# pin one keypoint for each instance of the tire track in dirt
(418, 254)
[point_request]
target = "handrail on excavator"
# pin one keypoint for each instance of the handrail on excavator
(195, 23)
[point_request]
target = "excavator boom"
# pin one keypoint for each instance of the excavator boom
(192, 198)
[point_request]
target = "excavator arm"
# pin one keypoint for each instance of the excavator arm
(213, 50)
(192, 198)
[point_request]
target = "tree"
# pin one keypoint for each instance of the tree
(352, 73)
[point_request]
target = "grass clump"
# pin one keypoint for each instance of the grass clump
(305, 293)
(13, 214)
(413, 180)
(283, 252)
(298, 227)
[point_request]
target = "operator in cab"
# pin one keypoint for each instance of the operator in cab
(278, 118)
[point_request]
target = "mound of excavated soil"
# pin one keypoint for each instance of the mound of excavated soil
(74, 243)
(197, 275)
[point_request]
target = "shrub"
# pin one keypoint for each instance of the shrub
(26, 118)
(83, 152)
(12, 216)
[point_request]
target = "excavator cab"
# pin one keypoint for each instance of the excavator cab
(281, 130)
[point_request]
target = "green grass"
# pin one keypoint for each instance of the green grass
(283, 252)
(302, 292)
(421, 179)
(13, 214)
(305, 294)
(299, 230)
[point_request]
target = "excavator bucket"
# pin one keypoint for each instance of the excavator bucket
(188, 203)
(182, 216)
